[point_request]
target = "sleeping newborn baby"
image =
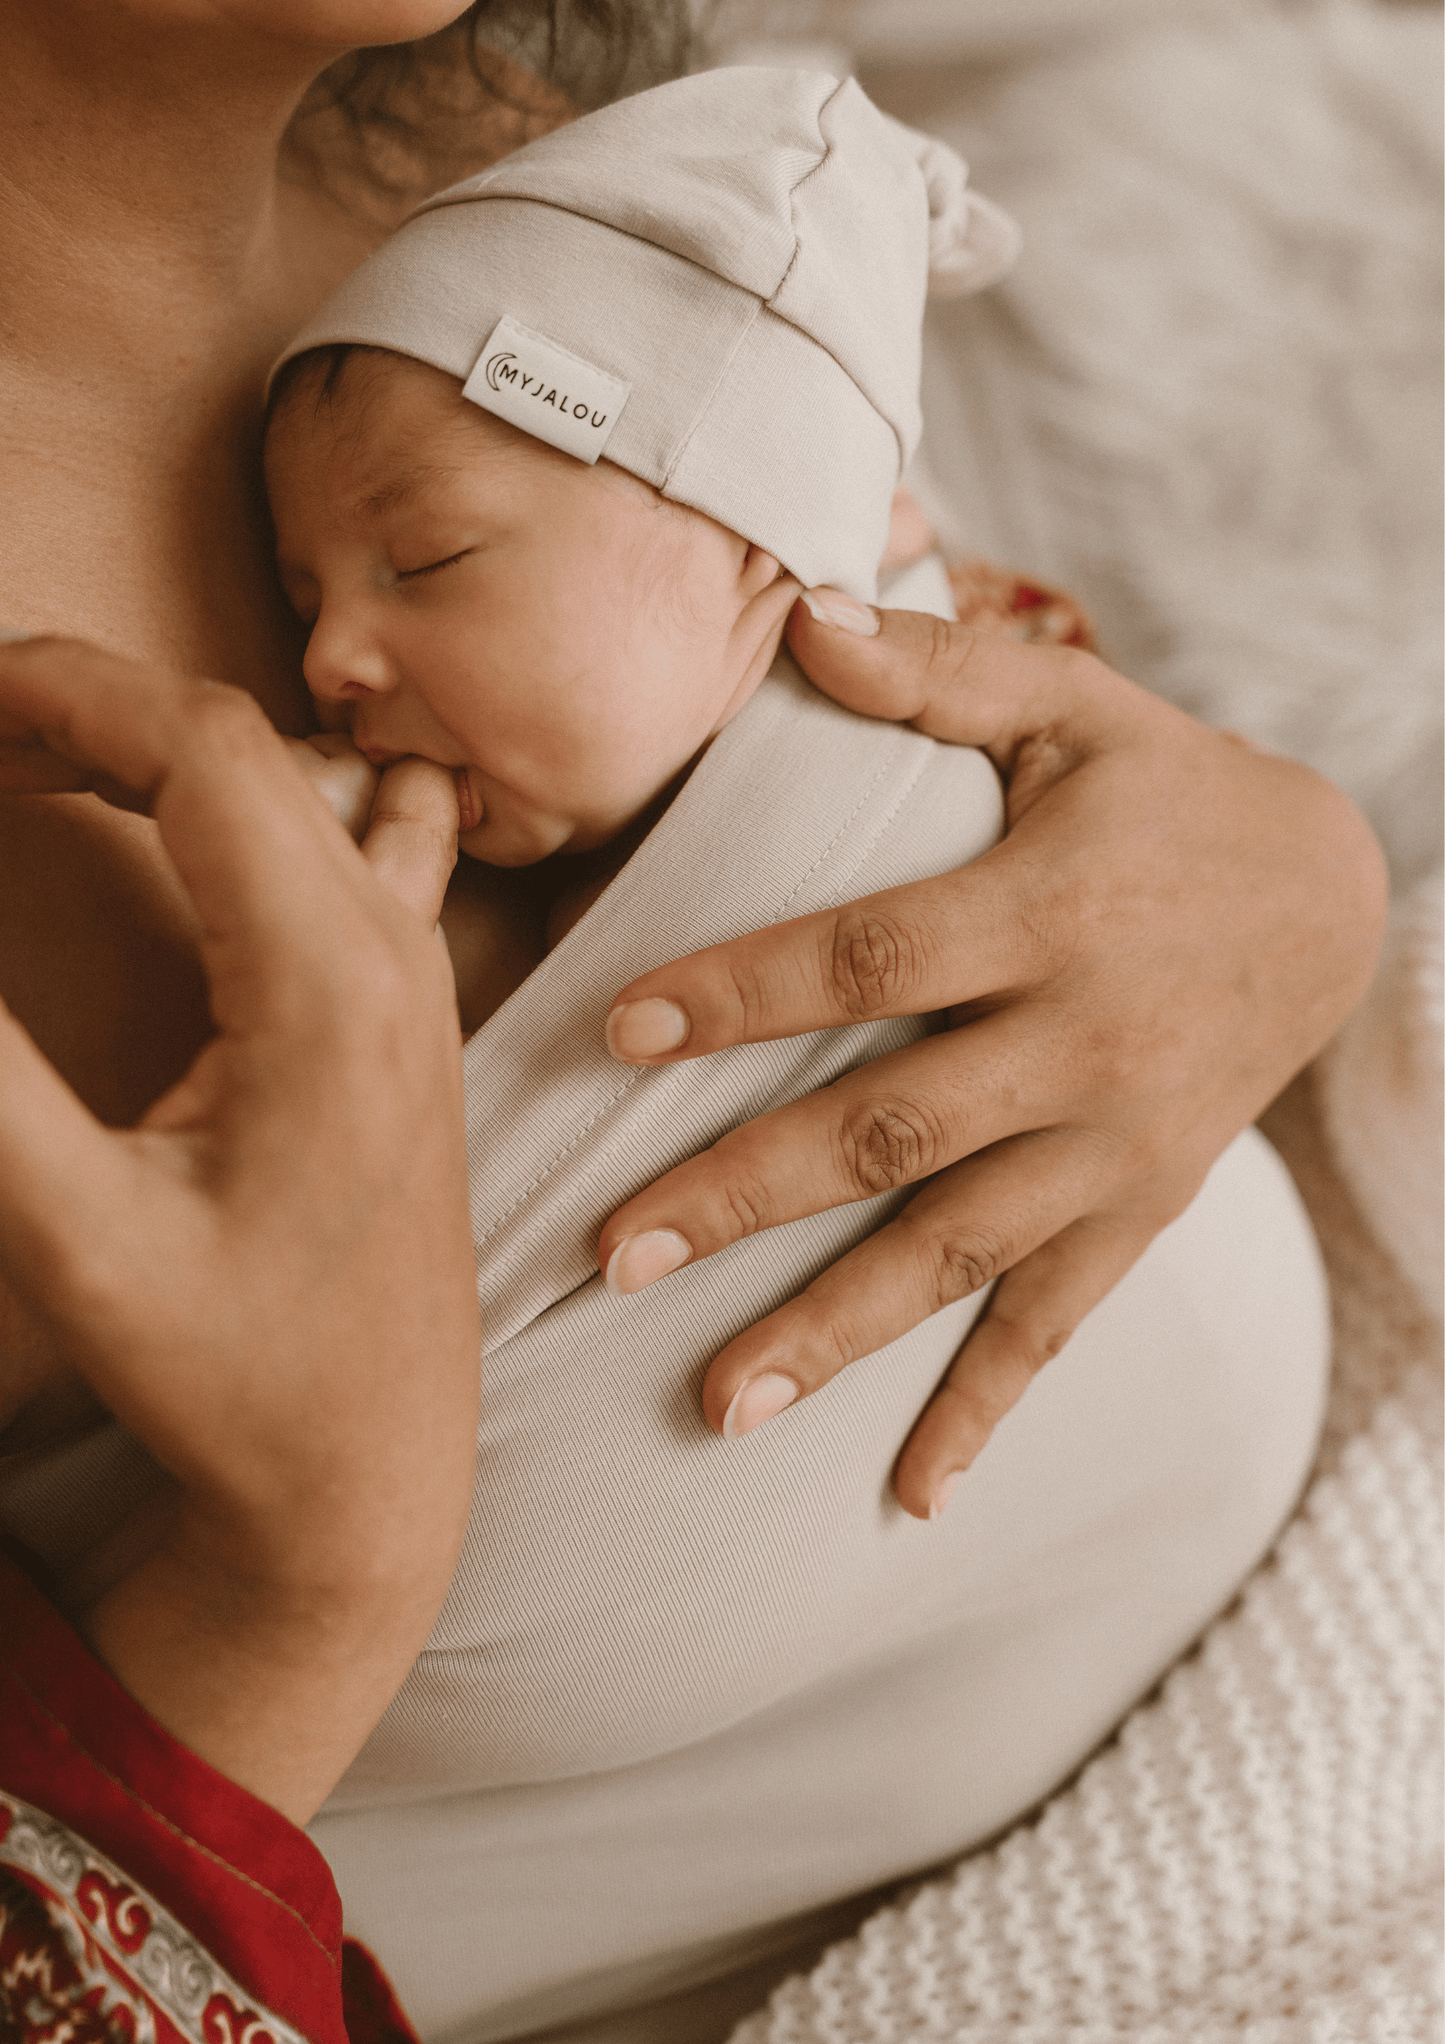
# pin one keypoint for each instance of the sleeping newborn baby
(548, 473)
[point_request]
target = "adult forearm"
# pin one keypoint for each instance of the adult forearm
(276, 1684)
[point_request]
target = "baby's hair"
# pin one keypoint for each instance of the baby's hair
(392, 124)
(321, 371)
(330, 361)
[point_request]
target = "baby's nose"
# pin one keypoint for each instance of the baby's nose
(343, 660)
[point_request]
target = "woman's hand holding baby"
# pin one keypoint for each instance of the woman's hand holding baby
(270, 1280)
(1172, 926)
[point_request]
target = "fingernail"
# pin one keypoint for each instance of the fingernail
(640, 1029)
(943, 1493)
(762, 1398)
(642, 1259)
(832, 607)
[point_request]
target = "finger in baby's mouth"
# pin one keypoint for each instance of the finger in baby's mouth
(470, 811)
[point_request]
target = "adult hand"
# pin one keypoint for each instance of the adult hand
(344, 778)
(1173, 924)
(270, 1280)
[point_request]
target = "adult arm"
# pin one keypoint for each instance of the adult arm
(1173, 924)
(270, 1279)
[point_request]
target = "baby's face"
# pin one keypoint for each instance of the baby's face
(560, 636)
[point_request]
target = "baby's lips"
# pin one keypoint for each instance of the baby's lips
(471, 810)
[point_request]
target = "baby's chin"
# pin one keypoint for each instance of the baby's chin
(518, 840)
(523, 837)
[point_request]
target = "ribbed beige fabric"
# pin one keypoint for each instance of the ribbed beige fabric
(683, 1690)
(797, 806)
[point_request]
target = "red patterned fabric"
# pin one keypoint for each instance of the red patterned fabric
(145, 1898)
(993, 599)
(373, 2013)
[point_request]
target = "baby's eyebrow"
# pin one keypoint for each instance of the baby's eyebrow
(401, 489)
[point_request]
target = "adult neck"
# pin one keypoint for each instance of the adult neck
(153, 263)
(139, 195)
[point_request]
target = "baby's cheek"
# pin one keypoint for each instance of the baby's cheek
(632, 762)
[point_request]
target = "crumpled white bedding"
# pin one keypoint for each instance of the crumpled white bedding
(1208, 404)
(1207, 401)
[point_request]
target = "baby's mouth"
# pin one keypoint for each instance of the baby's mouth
(470, 811)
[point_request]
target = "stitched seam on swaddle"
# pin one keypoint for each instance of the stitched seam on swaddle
(883, 825)
(552, 1162)
(559, 1156)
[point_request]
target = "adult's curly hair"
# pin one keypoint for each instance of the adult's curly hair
(390, 124)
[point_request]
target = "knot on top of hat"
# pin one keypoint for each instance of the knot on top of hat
(971, 241)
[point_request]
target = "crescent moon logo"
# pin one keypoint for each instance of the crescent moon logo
(540, 386)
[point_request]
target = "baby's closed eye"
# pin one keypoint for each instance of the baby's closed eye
(431, 567)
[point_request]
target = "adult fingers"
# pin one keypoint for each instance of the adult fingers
(965, 687)
(906, 951)
(234, 812)
(1040, 713)
(1035, 1308)
(962, 1231)
(290, 913)
(29, 767)
(902, 1118)
(411, 841)
(90, 712)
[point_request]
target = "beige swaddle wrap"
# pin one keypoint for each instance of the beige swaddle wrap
(684, 1688)
(662, 1562)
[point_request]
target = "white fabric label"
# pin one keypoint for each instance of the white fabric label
(556, 396)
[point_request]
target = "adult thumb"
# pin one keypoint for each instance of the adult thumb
(878, 662)
(411, 841)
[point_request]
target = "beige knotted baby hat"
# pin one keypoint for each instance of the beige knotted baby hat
(718, 283)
